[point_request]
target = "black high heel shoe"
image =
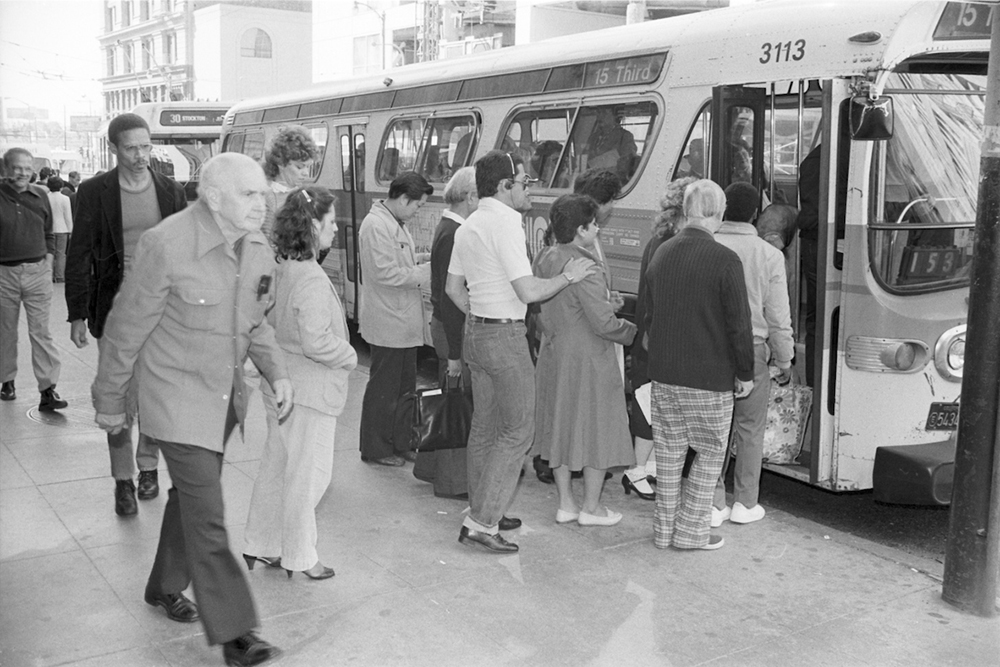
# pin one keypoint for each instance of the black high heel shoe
(268, 562)
(630, 487)
(325, 574)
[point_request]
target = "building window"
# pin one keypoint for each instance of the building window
(144, 10)
(111, 61)
(255, 43)
(128, 54)
(168, 6)
(109, 19)
(147, 53)
(366, 54)
(169, 47)
(126, 13)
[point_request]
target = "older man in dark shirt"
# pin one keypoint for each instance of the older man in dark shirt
(27, 245)
(700, 344)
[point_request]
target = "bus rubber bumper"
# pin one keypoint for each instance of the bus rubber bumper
(914, 474)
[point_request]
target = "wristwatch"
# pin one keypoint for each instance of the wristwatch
(568, 278)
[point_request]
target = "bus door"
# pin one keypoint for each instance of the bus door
(737, 147)
(352, 206)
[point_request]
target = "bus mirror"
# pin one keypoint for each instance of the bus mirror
(871, 119)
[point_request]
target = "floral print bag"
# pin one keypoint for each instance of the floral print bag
(788, 411)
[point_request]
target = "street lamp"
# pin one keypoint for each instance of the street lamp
(381, 18)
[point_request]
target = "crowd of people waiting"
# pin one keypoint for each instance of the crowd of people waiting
(197, 289)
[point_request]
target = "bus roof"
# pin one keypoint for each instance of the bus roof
(729, 45)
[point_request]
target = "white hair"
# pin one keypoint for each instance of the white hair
(704, 199)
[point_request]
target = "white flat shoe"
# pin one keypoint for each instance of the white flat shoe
(714, 542)
(593, 520)
(741, 514)
(718, 516)
(562, 516)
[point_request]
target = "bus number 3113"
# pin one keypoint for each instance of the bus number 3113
(782, 51)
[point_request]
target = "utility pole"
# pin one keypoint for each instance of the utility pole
(972, 557)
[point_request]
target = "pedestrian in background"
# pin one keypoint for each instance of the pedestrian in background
(392, 319)
(700, 353)
(287, 165)
(767, 294)
(580, 414)
(182, 328)
(490, 280)
(113, 210)
(310, 328)
(27, 245)
(446, 469)
(62, 225)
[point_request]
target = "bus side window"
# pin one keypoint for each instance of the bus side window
(694, 159)
(319, 136)
(400, 148)
(611, 137)
(253, 145)
(359, 162)
(234, 143)
(539, 136)
(443, 152)
(347, 183)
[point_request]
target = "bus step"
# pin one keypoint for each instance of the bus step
(914, 474)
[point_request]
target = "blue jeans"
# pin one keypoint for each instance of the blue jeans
(503, 423)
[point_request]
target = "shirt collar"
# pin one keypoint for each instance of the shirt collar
(381, 203)
(451, 215)
(31, 189)
(732, 227)
(696, 228)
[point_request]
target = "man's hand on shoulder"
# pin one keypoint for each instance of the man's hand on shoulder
(78, 333)
(579, 268)
(284, 394)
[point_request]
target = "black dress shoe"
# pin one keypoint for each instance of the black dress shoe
(491, 542)
(178, 607)
(509, 523)
(7, 392)
(248, 649)
(50, 400)
(125, 504)
(149, 486)
(630, 488)
(542, 470)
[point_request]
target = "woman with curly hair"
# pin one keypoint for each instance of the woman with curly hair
(667, 222)
(309, 325)
(287, 165)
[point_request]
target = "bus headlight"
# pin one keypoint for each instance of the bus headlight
(949, 353)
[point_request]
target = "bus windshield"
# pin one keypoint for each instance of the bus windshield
(181, 159)
(927, 180)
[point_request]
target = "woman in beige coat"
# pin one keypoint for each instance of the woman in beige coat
(309, 327)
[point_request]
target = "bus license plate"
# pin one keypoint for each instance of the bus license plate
(942, 417)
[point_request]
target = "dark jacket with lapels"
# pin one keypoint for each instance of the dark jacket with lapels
(95, 262)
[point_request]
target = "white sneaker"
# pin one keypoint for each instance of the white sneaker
(741, 514)
(718, 516)
(610, 519)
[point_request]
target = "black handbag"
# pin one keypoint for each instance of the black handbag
(442, 417)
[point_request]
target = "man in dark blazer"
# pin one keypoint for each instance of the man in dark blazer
(112, 211)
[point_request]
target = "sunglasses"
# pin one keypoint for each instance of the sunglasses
(526, 182)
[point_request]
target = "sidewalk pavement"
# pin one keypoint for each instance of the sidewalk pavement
(783, 591)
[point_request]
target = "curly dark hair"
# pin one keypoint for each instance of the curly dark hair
(292, 142)
(292, 235)
(569, 213)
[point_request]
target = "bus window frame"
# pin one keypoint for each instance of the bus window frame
(428, 118)
(575, 106)
(321, 158)
(231, 138)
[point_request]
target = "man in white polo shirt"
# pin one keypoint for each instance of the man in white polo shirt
(490, 279)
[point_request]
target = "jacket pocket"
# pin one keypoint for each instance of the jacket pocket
(199, 309)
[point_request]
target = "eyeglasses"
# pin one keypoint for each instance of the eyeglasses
(526, 182)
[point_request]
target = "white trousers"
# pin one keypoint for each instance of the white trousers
(295, 471)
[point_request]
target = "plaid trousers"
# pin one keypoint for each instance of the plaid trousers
(684, 417)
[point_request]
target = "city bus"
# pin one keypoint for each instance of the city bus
(185, 135)
(887, 96)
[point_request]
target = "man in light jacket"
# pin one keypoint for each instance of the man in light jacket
(392, 319)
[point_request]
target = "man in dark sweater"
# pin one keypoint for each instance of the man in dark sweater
(447, 468)
(700, 345)
(27, 245)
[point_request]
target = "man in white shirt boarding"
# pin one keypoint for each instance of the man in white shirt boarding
(490, 280)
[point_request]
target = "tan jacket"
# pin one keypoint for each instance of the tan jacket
(309, 326)
(392, 306)
(182, 325)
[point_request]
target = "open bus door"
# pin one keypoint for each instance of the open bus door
(352, 206)
(737, 142)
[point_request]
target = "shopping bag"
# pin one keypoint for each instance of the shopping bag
(442, 417)
(788, 411)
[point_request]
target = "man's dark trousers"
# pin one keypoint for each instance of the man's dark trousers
(194, 545)
(387, 410)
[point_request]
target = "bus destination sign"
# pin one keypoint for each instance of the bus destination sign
(964, 20)
(191, 117)
(624, 71)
